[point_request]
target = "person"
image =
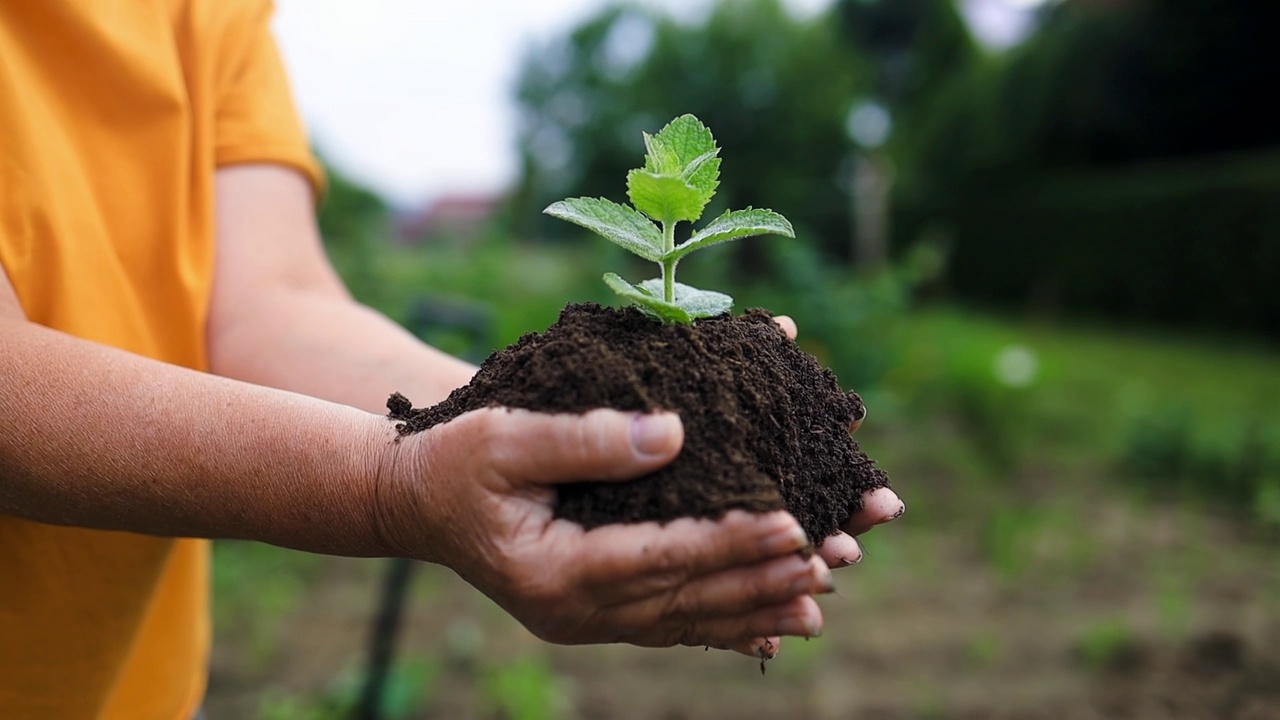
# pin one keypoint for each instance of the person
(178, 361)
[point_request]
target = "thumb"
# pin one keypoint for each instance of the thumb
(598, 445)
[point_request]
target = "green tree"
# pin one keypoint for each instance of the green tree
(775, 89)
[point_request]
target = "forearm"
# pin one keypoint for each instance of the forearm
(279, 315)
(326, 346)
(95, 437)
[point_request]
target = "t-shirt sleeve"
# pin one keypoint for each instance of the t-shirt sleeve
(256, 118)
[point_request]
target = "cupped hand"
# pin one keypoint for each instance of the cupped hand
(879, 506)
(477, 494)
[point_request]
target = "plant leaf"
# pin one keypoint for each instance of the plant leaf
(665, 198)
(731, 226)
(696, 303)
(688, 138)
(659, 158)
(704, 173)
(651, 305)
(696, 152)
(618, 223)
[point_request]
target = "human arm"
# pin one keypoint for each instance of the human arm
(280, 316)
(96, 437)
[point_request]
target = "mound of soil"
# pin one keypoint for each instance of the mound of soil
(765, 426)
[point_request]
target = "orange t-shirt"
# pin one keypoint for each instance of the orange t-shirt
(114, 115)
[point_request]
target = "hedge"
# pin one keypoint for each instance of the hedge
(1188, 243)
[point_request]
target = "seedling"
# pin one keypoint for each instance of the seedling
(680, 175)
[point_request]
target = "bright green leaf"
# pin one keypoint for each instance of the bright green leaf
(646, 301)
(696, 152)
(696, 303)
(665, 198)
(704, 173)
(618, 223)
(688, 138)
(659, 158)
(731, 226)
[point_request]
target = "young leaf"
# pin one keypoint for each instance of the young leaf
(647, 302)
(704, 173)
(731, 226)
(696, 303)
(619, 223)
(660, 159)
(696, 152)
(665, 198)
(688, 138)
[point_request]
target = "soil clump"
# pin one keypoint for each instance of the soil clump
(766, 427)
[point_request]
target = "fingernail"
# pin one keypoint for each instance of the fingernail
(652, 434)
(799, 626)
(862, 553)
(768, 650)
(805, 582)
(784, 541)
(846, 562)
(826, 583)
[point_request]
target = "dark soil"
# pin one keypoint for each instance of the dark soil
(765, 426)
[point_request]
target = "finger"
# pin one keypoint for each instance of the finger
(788, 325)
(798, 617)
(860, 414)
(761, 648)
(878, 507)
(627, 563)
(840, 550)
(598, 445)
(731, 593)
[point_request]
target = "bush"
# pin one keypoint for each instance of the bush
(1232, 465)
(1187, 243)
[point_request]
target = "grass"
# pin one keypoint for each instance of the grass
(1187, 416)
(1092, 380)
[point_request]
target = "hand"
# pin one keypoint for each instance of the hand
(476, 494)
(879, 506)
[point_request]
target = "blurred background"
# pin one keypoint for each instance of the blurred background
(1041, 238)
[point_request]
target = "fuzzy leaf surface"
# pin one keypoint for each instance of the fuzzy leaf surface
(648, 303)
(696, 303)
(688, 138)
(696, 152)
(704, 173)
(659, 158)
(617, 223)
(665, 198)
(733, 225)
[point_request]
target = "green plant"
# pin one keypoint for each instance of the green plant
(525, 689)
(680, 175)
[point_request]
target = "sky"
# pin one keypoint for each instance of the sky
(414, 97)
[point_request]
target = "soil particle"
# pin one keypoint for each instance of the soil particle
(765, 426)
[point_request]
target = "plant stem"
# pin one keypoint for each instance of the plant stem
(668, 266)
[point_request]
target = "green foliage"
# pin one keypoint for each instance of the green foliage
(1229, 464)
(256, 585)
(747, 70)
(852, 323)
(526, 689)
(408, 687)
(680, 174)
(1193, 243)
(1109, 645)
(1121, 163)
